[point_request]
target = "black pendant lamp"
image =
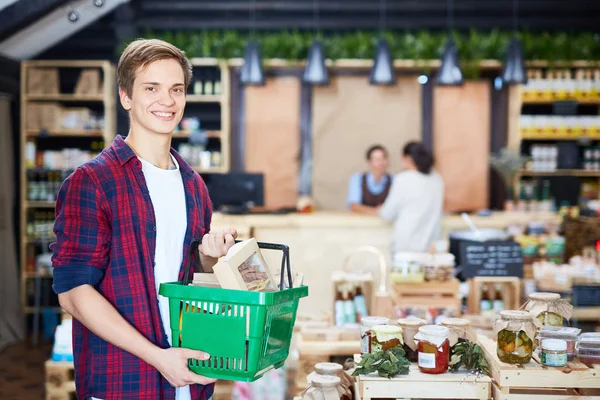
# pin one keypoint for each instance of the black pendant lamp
(449, 73)
(315, 72)
(252, 70)
(514, 72)
(382, 72)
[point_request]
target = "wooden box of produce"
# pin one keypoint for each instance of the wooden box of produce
(535, 381)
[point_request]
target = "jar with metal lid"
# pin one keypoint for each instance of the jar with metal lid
(459, 330)
(434, 349)
(366, 323)
(549, 308)
(324, 387)
(554, 353)
(515, 331)
(410, 327)
(385, 337)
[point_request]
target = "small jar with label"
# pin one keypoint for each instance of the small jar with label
(434, 349)
(410, 327)
(554, 353)
(385, 337)
(366, 323)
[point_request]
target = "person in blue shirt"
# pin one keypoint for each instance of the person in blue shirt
(367, 191)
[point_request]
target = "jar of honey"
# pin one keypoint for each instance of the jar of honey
(434, 349)
(385, 337)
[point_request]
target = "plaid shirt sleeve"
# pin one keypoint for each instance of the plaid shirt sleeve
(82, 232)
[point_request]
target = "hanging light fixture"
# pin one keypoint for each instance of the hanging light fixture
(449, 73)
(315, 72)
(252, 70)
(514, 72)
(382, 72)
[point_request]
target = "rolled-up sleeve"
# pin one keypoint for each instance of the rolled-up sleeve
(354, 190)
(83, 233)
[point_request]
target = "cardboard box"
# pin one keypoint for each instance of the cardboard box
(43, 81)
(89, 83)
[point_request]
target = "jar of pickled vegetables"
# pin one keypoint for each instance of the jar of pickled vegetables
(548, 308)
(385, 337)
(433, 349)
(410, 327)
(516, 331)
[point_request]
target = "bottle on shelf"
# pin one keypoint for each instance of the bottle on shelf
(485, 303)
(217, 85)
(360, 303)
(349, 308)
(498, 303)
(208, 83)
(522, 204)
(339, 307)
(198, 85)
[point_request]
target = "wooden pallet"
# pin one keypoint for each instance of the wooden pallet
(534, 381)
(60, 380)
(423, 386)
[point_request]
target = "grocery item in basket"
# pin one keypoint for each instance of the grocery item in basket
(554, 352)
(244, 268)
(434, 349)
(515, 330)
(410, 327)
(205, 280)
(549, 308)
(385, 337)
(366, 324)
(324, 388)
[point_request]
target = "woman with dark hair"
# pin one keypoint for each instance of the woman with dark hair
(415, 202)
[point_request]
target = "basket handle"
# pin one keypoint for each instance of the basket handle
(193, 258)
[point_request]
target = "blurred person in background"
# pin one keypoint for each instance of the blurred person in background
(367, 191)
(415, 202)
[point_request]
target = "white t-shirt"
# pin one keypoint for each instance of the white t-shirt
(168, 201)
(415, 203)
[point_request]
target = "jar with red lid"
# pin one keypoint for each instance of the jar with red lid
(434, 349)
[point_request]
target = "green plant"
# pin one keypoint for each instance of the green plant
(469, 355)
(388, 363)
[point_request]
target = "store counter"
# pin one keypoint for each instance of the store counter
(320, 243)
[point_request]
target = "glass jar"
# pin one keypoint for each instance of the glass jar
(366, 323)
(434, 349)
(459, 330)
(410, 327)
(385, 337)
(515, 330)
(335, 369)
(548, 308)
(323, 387)
(554, 353)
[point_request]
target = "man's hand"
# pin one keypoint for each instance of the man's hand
(216, 246)
(172, 364)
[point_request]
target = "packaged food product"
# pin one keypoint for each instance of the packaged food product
(433, 348)
(459, 330)
(549, 308)
(324, 388)
(334, 369)
(407, 267)
(441, 268)
(589, 339)
(554, 353)
(366, 324)
(385, 337)
(410, 327)
(515, 330)
(568, 334)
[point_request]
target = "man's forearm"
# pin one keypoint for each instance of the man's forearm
(90, 308)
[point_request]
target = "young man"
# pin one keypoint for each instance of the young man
(367, 191)
(124, 224)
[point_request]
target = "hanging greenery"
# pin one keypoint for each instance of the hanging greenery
(473, 46)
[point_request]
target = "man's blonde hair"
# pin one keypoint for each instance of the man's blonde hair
(142, 52)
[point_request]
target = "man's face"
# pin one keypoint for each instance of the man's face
(157, 98)
(378, 162)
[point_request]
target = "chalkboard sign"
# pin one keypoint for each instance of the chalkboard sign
(491, 259)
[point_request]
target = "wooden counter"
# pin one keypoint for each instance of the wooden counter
(320, 243)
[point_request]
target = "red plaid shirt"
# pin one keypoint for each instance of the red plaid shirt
(106, 237)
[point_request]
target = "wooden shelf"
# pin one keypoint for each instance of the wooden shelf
(210, 170)
(591, 100)
(204, 98)
(559, 137)
(64, 97)
(40, 204)
(187, 134)
(561, 172)
(65, 133)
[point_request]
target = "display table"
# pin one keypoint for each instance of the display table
(423, 386)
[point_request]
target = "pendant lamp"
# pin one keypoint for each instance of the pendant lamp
(252, 70)
(449, 73)
(514, 72)
(382, 72)
(315, 72)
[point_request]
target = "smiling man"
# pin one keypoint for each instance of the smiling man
(124, 222)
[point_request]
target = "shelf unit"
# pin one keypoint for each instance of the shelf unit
(542, 100)
(102, 97)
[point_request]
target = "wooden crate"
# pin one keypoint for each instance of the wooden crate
(511, 291)
(423, 386)
(60, 380)
(534, 381)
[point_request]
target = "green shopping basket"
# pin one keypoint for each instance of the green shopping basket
(245, 333)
